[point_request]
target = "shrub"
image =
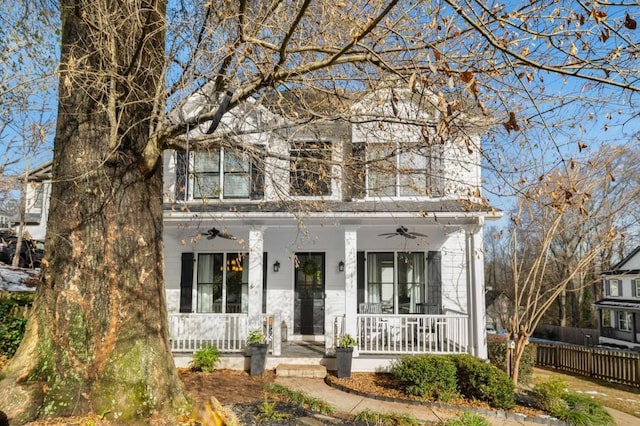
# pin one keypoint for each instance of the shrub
(573, 409)
(497, 347)
(427, 376)
(580, 410)
(467, 419)
(12, 321)
(551, 393)
(205, 359)
(479, 379)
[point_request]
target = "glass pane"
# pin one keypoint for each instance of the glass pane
(206, 186)
(380, 274)
(311, 178)
(209, 283)
(381, 184)
(236, 161)
(206, 161)
(413, 184)
(236, 185)
(237, 283)
(411, 280)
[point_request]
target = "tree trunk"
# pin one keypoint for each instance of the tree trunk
(520, 345)
(97, 339)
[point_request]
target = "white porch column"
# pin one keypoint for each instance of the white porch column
(351, 280)
(477, 311)
(256, 248)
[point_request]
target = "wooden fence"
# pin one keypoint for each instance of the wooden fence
(604, 364)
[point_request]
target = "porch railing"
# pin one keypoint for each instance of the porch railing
(405, 334)
(190, 332)
(227, 332)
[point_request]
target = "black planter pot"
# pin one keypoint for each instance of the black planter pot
(343, 360)
(258, 359)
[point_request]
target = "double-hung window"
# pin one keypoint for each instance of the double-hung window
(613, 288)
(398, 169)
(220, 173)
(310, 169)
(636, 287)
(222, 283)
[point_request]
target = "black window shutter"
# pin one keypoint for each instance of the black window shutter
(186, 283)
(434, 283)
(360, 276)
(182, 162)
(257, 175)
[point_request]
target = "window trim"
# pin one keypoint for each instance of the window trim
(636, 287)
(628, 318)
(396, 284)
(432, 173)
(322, 149)
(186, 175)
(228, 258)
(618, 287)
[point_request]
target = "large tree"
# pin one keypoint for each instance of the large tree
(97, 338)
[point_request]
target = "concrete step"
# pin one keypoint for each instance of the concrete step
(301, 370)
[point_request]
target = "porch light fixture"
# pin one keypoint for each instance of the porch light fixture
(341, 266)
(276, 266)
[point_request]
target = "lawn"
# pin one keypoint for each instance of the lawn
(619, 397)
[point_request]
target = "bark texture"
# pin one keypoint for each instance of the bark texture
(97, 340)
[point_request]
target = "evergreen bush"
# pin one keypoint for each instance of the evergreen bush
(428, 376)
(478, 379)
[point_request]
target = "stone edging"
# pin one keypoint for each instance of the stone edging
(493, 413)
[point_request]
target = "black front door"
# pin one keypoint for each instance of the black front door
(309, 289)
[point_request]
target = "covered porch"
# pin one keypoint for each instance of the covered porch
(395, 295)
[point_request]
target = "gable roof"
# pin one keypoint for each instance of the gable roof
(619, 268)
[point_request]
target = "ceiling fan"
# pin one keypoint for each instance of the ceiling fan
(215, 232)
(403, 232)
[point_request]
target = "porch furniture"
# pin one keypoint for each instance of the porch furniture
(370, 308)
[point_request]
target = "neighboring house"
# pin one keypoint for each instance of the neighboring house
(6, 220)
(260, 235)
(499, 308)
(38, 193)
(619, 310)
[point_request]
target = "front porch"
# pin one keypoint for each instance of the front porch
(381, 338)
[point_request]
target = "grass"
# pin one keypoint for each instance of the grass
(300, 399)
(387, 419)
(618, 397)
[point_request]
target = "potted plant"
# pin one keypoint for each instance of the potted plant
(344, 355)
(258, 350)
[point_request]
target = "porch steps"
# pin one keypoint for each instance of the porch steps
(301, 370)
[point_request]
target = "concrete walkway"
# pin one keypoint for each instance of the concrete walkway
(348, 403)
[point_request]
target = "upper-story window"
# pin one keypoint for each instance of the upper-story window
(310, 169)
(397, 170)
(613, 288)
(220, 173)
(636, 287)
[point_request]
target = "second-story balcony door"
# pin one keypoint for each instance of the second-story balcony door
(309, 294)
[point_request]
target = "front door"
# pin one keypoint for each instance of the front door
(309, 289)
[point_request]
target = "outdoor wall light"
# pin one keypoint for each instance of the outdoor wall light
(341, 266)
(276, 266)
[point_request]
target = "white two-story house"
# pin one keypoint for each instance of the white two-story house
(619, 310)
(371, 225)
